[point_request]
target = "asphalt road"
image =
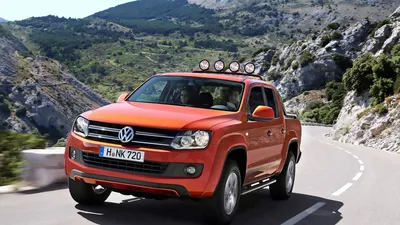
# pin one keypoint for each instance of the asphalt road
(335, 183)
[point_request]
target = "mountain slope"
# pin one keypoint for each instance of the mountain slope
(38, 95)
(100, 53)
(362, 63)
(2, 20)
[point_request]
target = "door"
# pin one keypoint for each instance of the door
(261, 137)
(276, 129)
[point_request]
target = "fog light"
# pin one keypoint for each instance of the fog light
(190, 170)
(72, 153)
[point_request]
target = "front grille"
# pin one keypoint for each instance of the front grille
(144, 137)
(122, 165)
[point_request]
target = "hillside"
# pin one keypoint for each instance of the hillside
(37, 95)
(2, 20)
(100, 53)
(360, 68)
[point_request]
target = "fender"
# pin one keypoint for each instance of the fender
(291, 137)
(228, 144)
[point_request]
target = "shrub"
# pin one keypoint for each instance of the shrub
(381, 109)
(381, 88)
(384, 68)
(395, 50)
(333, 26)
(275, 59)
(342, 61)
(335, 35)
(335, 92)
(11, 144)
(306, 58)
(324, 41)
(360, 77)
(295, 65)
(274, 76)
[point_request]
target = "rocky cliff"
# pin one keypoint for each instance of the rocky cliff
(37, 94)
(309, 64)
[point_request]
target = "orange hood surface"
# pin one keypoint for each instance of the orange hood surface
(160, 116)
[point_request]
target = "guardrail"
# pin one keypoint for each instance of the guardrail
(316, 124)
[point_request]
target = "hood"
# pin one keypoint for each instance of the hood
(160, 116)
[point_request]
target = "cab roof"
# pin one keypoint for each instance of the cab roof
(237, 77)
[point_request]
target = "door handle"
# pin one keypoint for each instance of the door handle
(283, 131)
(269, 133)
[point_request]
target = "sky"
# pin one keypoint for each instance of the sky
(22, 9)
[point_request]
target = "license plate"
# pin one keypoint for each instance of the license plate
(124, 154)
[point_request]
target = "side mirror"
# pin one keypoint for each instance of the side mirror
(263, 113)
(122, 97)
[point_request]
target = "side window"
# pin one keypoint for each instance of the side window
(271, 100)
(256, 98)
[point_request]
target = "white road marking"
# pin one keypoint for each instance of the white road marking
(362, 167)
(357, 176)
(340, 148)
(355, 156)
(348, 152)
(361, 162)
(342, 189)
(131, 200)
(304, 214)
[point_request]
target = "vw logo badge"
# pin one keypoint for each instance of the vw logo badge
(126, 134)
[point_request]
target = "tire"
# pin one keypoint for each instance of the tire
(283, 187)
(85, 194)
(215, 211)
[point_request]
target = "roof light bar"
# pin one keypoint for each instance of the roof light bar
(234, 66)
(249, 68)
(204, 65)
(219, 65)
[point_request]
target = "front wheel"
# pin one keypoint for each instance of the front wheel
(222, 206)
(87, 194)
(282, 189)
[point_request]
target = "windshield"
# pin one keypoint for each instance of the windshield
(191, 92)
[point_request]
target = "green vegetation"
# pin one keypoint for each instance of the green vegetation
(342, 61)
(378, 76)
(264, 49)
(4, 32)
(360, 77)
(326, 113)
(333, 26)
(156, 17)
(306, 58)
(11, 144)
(111, 59)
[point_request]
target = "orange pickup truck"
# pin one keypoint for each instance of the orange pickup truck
(205, 135)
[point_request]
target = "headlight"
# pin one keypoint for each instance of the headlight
(81, 127)
(191, 140)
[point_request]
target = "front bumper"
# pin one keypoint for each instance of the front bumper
(171, 181)
(123, 183)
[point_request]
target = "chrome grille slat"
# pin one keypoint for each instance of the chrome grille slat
(150, 143)
(103, 136)
(150, 137)
(153, 135)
